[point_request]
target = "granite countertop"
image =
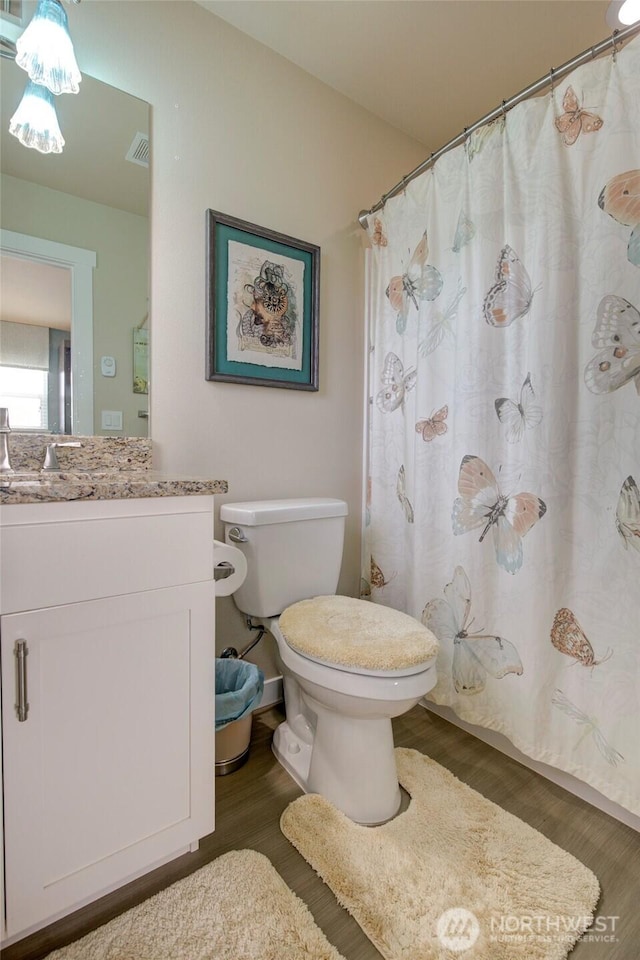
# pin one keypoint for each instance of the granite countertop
(66, 485)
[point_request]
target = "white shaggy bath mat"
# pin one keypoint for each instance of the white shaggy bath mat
(453, 875)
(236, 908)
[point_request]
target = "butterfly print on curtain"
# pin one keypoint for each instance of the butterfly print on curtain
(441, 324)
(482, 504)
(378, 579)
(628, 514)
(511, 295)
(569, 638)
(396, 384)
(419, 282)
(434, 426)
(620, 198)
(465, 232)
(402, 495)
(477, 654)
(521, 415)
(490, 132)
(617, 335)
(591, 725)
(575, 120)
(378, 238)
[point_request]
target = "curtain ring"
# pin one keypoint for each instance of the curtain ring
(551, 78)
(504, 109)
(614, 37)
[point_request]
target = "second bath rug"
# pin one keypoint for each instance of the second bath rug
(237, 907)
(454, 873)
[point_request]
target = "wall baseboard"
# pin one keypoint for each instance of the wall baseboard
(272, 693)
(565, 780)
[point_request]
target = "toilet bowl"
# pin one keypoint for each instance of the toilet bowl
(348, 666)
(337, 739)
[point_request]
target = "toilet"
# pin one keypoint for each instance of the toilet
(348, 666)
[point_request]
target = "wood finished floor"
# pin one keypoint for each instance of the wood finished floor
(250, 801)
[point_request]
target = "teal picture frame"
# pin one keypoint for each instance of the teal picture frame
(263, 299)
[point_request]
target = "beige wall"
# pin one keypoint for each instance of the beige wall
(238, 129)
(121, 243)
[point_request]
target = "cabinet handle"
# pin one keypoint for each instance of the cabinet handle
(22, 706)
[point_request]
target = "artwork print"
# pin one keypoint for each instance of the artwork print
(263, 291)
(263, 312)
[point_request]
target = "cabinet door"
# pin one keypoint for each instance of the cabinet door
(112, 771)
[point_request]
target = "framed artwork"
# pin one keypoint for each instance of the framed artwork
(263, 292)
(140, 360)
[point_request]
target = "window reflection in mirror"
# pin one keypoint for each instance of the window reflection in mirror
(74, 265)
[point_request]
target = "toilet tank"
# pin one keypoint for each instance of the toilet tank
(293, 550)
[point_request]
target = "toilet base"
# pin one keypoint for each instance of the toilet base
(292, 753)
(351, 762)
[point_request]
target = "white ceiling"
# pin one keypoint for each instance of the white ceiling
(428, 67)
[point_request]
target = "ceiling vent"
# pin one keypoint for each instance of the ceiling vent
(139, 150)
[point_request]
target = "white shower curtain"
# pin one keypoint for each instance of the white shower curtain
(504, 431)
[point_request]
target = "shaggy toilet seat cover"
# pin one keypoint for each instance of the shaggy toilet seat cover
(356, 633)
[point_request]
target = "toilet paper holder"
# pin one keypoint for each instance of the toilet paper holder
(223, 570)
(229, 568)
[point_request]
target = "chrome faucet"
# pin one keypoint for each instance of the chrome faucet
(50, 456)
(5, 430)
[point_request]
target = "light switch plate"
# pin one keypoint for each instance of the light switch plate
(112, 419)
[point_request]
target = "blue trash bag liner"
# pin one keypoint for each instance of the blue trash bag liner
(239, 687)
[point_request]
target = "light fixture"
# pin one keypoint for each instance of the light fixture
(629, 12)
(622, 13)
(35, 122)
(45, 50)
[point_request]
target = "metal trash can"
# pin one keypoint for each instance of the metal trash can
(239, 687)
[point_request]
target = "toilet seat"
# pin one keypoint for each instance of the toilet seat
(357, 636)
(384, 684)
(361, 671)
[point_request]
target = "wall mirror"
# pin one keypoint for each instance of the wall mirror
(74, 265)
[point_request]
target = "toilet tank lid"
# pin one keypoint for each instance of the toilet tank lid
(256, 513)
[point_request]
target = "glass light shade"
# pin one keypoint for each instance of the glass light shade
(622, 13)
(35, 122)
(629, 12)
(45, 50)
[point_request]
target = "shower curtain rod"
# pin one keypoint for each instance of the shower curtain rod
(618, 36)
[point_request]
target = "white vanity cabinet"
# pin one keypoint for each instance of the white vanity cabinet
(107, 620)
